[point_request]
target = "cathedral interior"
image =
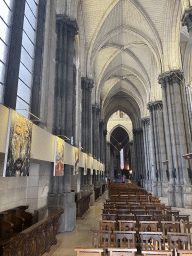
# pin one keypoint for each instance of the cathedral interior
(108, 79)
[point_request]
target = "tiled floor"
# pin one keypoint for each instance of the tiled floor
(82, 236)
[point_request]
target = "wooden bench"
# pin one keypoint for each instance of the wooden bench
(36, 239)
(125, 239)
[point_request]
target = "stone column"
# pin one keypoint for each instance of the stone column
(86, 86)
(97, 139)
(145, 123)
(64, 90)
(101, 137)
(104, 147)
(159, 147)
(94, 141)
(139, 155)
(178, 144)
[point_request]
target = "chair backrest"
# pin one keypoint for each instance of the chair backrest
(155, 212)
(109, 211)
(157, 253)
(170, 226)
(138, 212)
(150, 240)
(123, 211)
(148, 226)
(179, 240)
(129, 236)
(101, 238)
(182, 217)
(144, 217)
(108, 216)
(107, 225)
(89, 251)
(122, 251)
(126, 217)
(127, 225)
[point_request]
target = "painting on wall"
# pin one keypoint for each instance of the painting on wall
(76, 161)
(59, 157)
(17, 159)
(85, 164)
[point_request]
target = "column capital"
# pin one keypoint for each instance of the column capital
(70, 23)
(87, 83)
(155, 105)
(145, 120)
(173, 76)
(137, 131)
(187, 18)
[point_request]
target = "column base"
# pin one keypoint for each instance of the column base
(187, 194)
(154, 188)
(164, 189)
(171, 195)
(159, 188)
(67, 202)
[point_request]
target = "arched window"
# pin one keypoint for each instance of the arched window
(5, 21)
(27, 57)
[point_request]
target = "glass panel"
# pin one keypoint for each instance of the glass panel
(25, 75)
(22, 105)
(2, 72)
(9, 3)
(26, 59)
(33, 6)
(4, 11)
(29, 30)
(28, 45)
(30, 15)
(3, 30)
(2, 50)
(23, 91)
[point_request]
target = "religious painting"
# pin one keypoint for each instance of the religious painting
(76, 161)
(17, 159)
(59, 157)
(85, 164)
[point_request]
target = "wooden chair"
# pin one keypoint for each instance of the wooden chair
(148, 226)
(182, 217)
(127, 225)
(155, 212)
(89, 251)
(123, 211)
(122, 251)
(188, 228)
(109, 211)
(139, 212)
(184, 252)
(108, 216)
(169, 226)
(101, 239)
(107, 225)
(179, 241)
(126, 217)
(144, 217)
(172, 214)
(150, 240)
(157, 253)
(125, 239)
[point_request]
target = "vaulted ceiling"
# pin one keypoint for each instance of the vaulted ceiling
(125, 45)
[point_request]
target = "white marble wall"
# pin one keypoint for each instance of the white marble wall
(32, 190)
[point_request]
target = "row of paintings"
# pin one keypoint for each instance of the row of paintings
(17, 158)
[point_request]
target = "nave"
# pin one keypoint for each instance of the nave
(82, 235)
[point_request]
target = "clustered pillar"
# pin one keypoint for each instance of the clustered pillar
(177, 137)
(146, 139)
(86, 85)
(159, 154)
(139, 155)
(66, 30)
